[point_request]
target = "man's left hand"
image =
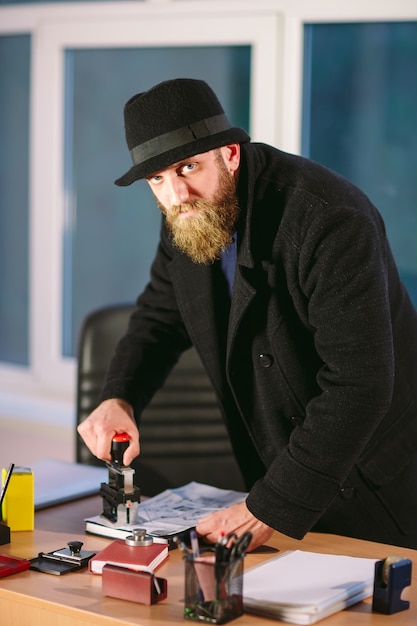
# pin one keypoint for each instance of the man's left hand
(235, 519)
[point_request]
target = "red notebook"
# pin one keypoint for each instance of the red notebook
(137, 558)
(12, 565)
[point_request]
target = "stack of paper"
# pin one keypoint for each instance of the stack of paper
(304, 587)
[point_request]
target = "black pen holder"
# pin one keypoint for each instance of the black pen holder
(4, 534)
(213, 590)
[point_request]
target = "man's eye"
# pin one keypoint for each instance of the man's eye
(189, 167)
(155, 179)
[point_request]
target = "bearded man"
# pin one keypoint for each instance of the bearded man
(311, 349)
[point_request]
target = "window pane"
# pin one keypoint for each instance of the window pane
(360, 118)
(14, 232)
(111, 232)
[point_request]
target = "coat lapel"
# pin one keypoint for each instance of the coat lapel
(213, 328)
(244, 290)
(243, 294)
(195, 291)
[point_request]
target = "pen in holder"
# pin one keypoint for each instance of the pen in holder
(214, 582)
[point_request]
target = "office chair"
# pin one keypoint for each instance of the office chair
(183, 437)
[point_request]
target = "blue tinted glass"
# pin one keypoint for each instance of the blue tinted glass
(111, 232)
(14, 231)
(360, 118)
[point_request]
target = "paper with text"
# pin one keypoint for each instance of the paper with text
(176, 510)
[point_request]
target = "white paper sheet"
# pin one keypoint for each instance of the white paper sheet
(176, 510)
(297, 584)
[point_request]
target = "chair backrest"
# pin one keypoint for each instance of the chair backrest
(100, 332)
(183, 436)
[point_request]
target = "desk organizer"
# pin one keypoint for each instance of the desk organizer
(213, 590)
(126, 584)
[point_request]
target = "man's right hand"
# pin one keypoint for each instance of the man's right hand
(98, 429)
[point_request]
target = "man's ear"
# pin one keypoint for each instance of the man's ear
(231, 156)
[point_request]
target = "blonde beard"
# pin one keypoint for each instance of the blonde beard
(205, 235)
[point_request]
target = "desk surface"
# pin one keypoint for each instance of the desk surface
(76, 599)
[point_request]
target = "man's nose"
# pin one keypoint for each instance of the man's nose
(178, 192)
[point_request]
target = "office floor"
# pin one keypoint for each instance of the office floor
(23, 443)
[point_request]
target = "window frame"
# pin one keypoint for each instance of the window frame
(45, 390)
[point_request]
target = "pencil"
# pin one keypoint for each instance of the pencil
(4, 488)
(194, 544)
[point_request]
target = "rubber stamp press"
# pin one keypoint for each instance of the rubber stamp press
(120, 496)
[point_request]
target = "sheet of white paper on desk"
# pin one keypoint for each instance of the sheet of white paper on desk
(61, 481)
(304, 587)
(170, 512)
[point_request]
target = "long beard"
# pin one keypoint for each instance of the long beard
(206, 234)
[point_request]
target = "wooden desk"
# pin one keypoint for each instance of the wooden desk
(35, 599)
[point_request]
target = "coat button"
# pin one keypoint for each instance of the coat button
(347, 493)
(265, 360)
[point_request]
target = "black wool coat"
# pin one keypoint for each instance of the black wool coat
(313, 360)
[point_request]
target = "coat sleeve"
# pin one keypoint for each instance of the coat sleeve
(343, 282)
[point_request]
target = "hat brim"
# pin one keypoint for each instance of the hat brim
(198, 146)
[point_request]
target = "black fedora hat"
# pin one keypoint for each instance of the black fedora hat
(174, 120)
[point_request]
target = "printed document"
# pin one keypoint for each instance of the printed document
(171, 512)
